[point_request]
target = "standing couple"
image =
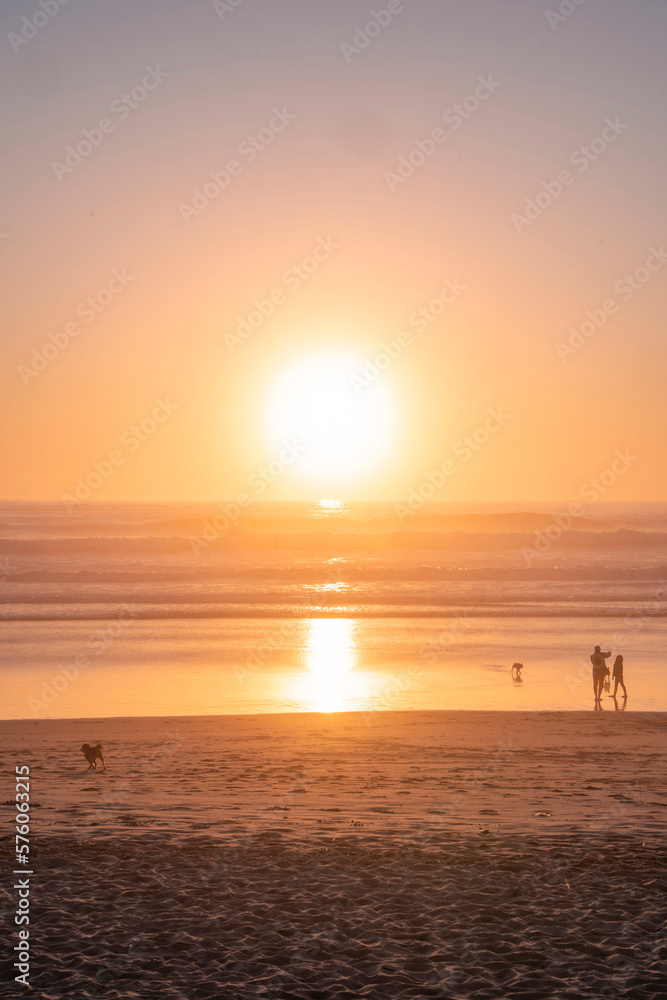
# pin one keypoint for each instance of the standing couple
(601, 670)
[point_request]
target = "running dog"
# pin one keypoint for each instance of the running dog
(92, 754)
(516, 671)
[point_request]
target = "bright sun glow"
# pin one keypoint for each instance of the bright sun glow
(344, 423)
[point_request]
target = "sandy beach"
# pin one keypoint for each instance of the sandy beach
(333, 500)
(414, 854)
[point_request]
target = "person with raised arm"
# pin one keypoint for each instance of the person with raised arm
(599, 672)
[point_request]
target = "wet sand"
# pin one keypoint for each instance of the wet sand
(388, 855)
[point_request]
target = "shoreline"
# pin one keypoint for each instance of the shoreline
(454, 712)
(362, 713)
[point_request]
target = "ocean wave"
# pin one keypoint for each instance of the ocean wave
(321, 574)
(175, 612)
(241, 537)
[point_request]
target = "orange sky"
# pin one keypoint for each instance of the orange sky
(179, 278)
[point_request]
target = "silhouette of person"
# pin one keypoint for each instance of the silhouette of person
(617, 674)
(599, 671)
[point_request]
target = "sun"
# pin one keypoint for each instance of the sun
(343, 421)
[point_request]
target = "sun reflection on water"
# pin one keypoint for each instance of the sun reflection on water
(330, 685)
(331, 505)
(330, 508)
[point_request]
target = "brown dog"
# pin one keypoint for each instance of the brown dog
(93, 753)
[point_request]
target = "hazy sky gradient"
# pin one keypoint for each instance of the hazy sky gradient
(324, 177)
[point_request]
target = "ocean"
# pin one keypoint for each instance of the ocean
(174, 609)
